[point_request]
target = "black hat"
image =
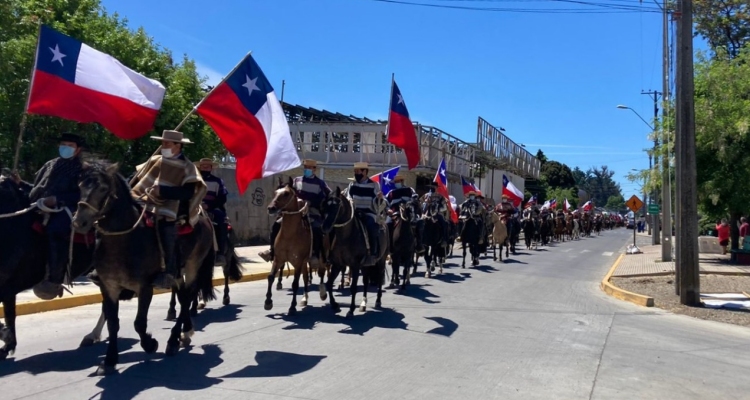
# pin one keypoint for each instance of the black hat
(71, 137)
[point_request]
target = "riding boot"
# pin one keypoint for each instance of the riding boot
(317, 245)
(267, 255)
(168, 237)
(374, 238)
(57, 259)
(221, 243)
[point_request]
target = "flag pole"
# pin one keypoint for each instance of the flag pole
(24, 117)
(388, 125)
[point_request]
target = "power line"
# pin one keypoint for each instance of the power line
(595, 7)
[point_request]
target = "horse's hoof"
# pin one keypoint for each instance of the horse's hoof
(185, 342)
(268, 305)
(4, 353)
(323, 296)
(171, 315)
(278, 286)
(362, 308)
(225, 301)
(201, 306)
(303, 303)
(172, 348)
(391, 286)
(292, 311)
(150, 346)
(335, 308)
(104, 370)
(88, 341)
(350, 314)
(378, 305)
(494, 259)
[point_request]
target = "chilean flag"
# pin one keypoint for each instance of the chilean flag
(553, 204)
(385, 184)
(401, 132)
(442, 188)
(566, 205)
(510, 190)
(73, 81)
(587, 206)
(246, 115)
(468, 187)
(531, 202)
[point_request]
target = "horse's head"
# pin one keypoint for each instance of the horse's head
(408, 211)
(284, 199)
(332, 209)
(98, 184)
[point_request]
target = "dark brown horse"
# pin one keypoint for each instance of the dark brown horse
(403, 243)
(127, 258)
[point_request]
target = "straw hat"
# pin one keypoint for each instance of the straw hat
(361, 165)
(398, 178)
(204, 161)
(310, 163)
(172, 136)
(470, 192)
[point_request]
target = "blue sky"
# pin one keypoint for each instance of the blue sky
(553, 81)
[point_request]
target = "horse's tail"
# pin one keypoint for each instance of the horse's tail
(234, 268)
(205, 277)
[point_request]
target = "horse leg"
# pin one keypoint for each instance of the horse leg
(365, 287)
(172, 312)
(407, 276)
(226, 299)
(305, 285)
(321, 285)
(394, 271)
(8, 333)
(201, 301)
(281, 275)
(174, 341)
(494, 256)
(148, 343)
(268, 305)
(353, 289)
(332, 275)
(463, 259)
(96, 335)
(111, 306)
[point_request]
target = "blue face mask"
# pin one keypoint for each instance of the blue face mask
(472, 197)
(66, 151)
(308, 173)
(399, 185)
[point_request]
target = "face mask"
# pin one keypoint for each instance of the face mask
(308, 173)
(358, 177)
(472, 197)
(166, 153)
(66, 151)
(399, 185)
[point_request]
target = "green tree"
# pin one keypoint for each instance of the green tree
(557, 175)
(725, 24)
(564, 193)
(87, 21)
(615, 202)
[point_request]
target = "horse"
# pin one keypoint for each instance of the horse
(560, 229)
(403, 242)
(499, 235)
(293, 244)
(23, 246)
(128, 257)
(347, 248)
(471, 232)
(530, 231)
(435, 237)
(232, 270)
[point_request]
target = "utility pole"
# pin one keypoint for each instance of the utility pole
(688, 251)
(666, 190)
(654, 196)
(677, 156)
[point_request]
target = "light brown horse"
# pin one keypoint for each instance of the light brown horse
(293, 244)
(560, 229)
(499, 235)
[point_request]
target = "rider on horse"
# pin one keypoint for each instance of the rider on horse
(403, 194)
(310, 188)
(364, 192)
(216, 197)
(56, 183)
(472, 198)
(172, 187)
(505, 208)
(442, 208)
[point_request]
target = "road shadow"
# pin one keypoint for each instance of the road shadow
(276, 364)
(485, 268)
(520, 253)
(186, 371)
(220, 315)
(513, 261)
(65, 360)
(450, 277)
(360, 324)
(447, 326)
(418, 291)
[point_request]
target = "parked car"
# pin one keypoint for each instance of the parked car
(631, 223)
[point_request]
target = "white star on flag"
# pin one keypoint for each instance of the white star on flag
(250, 85)
(401, 100)
(387, 180)
(57, 55)
(442, 172)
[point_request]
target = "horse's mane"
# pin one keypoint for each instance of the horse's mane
(101, 167)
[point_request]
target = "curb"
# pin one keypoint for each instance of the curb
(38, 306)
(622, 294)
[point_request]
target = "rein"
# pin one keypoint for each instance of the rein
(97, 211)
(351, 216)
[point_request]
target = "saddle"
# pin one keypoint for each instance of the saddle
(78, 238)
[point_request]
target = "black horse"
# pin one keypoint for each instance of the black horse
(435, 239)
(471, 232)
(347, 248)
(403, 242)
(127, 258)
(23, 263)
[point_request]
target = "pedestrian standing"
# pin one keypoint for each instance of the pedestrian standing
(723, 229)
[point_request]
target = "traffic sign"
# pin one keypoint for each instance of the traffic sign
(653, 209)
(634, 203)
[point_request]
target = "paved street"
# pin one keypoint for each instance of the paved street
(535, 327)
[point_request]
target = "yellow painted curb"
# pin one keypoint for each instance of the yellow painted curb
(37, 306)
(623, 294)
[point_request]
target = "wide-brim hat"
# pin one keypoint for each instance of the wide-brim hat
(398, 178)
(361, 165)
(505, 196)
(310, 163)
(72, 137)
(470, 192)
(172, 136)
(202, 161)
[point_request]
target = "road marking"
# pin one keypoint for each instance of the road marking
(585, 251)
(608, 254)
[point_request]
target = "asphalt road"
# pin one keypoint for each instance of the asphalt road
(536, 327)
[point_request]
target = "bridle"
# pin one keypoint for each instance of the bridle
(99, 213)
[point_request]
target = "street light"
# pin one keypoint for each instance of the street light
(622, 107)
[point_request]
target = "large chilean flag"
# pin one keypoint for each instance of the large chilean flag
(71, 80)
(401, 130)
(246, 115)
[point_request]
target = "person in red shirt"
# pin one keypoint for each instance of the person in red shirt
(744, 231)
(723, 229)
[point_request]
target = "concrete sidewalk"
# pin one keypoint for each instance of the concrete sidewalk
(649, 262)
(254, 269)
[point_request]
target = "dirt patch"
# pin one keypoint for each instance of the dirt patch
(661, 288)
